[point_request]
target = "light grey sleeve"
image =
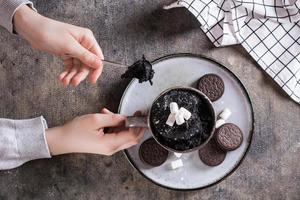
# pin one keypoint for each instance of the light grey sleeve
(22, 141)
(7, 11)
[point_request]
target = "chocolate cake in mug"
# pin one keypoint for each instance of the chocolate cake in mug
(194, 132)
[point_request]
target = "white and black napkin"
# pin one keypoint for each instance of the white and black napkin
(268, 29)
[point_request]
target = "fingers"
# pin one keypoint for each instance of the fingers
(94, 75)
(111, 120)
(110, 143)
(98, 121)
(96, 48)
(107, 129)
(112, 129)
(139, 133)
(74, 70)
(137, 113)
(106, 111)
(124, 139)
(86, 56)
(80, 76)
(83, 48)
(82, 71)
(121, 140)
(64, 74)
(125, 146)
(68, 63)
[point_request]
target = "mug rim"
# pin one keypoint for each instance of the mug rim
(210, 106)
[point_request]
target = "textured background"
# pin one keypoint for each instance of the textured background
(125, 30)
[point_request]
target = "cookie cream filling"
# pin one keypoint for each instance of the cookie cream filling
(177, 115)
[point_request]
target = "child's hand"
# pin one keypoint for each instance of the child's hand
(77, 46)
(85, 134)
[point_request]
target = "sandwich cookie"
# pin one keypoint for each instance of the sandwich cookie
(152, 153)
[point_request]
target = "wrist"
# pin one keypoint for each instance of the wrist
(55, 140)
(24, 21)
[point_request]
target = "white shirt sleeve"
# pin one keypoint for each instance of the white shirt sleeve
(22, 141)
(8, 9)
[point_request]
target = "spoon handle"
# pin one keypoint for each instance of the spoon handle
(137, 121)
(113, 63)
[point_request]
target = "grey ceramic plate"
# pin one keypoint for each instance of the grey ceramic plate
(185, 70)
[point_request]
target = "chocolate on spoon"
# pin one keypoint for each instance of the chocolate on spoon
(141, 69)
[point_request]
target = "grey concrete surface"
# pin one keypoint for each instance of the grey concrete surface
(125, 30)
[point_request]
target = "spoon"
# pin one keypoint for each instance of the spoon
(114, 63)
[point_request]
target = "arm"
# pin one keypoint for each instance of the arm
(21, 141)
(85, 134)
(25, 140)
(8, 9)
(76, 46)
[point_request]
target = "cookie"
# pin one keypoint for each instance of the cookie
(212, 86)
(152, 153)
(211, 154)
(229, 136)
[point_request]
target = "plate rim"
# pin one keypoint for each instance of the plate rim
(251, 132)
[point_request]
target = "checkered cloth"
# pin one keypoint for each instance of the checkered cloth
(268, 29)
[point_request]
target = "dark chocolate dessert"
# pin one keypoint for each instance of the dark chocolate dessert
(141, 69)
(194, 132)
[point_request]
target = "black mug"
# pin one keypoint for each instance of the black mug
(144, 121)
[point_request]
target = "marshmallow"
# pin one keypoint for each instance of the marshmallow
(176, 164)
(171, 120)
(186, 114)
(220, 122)
(177, 115)
(174, 107)
(178, 155)
(179, 119)
(225, 114)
